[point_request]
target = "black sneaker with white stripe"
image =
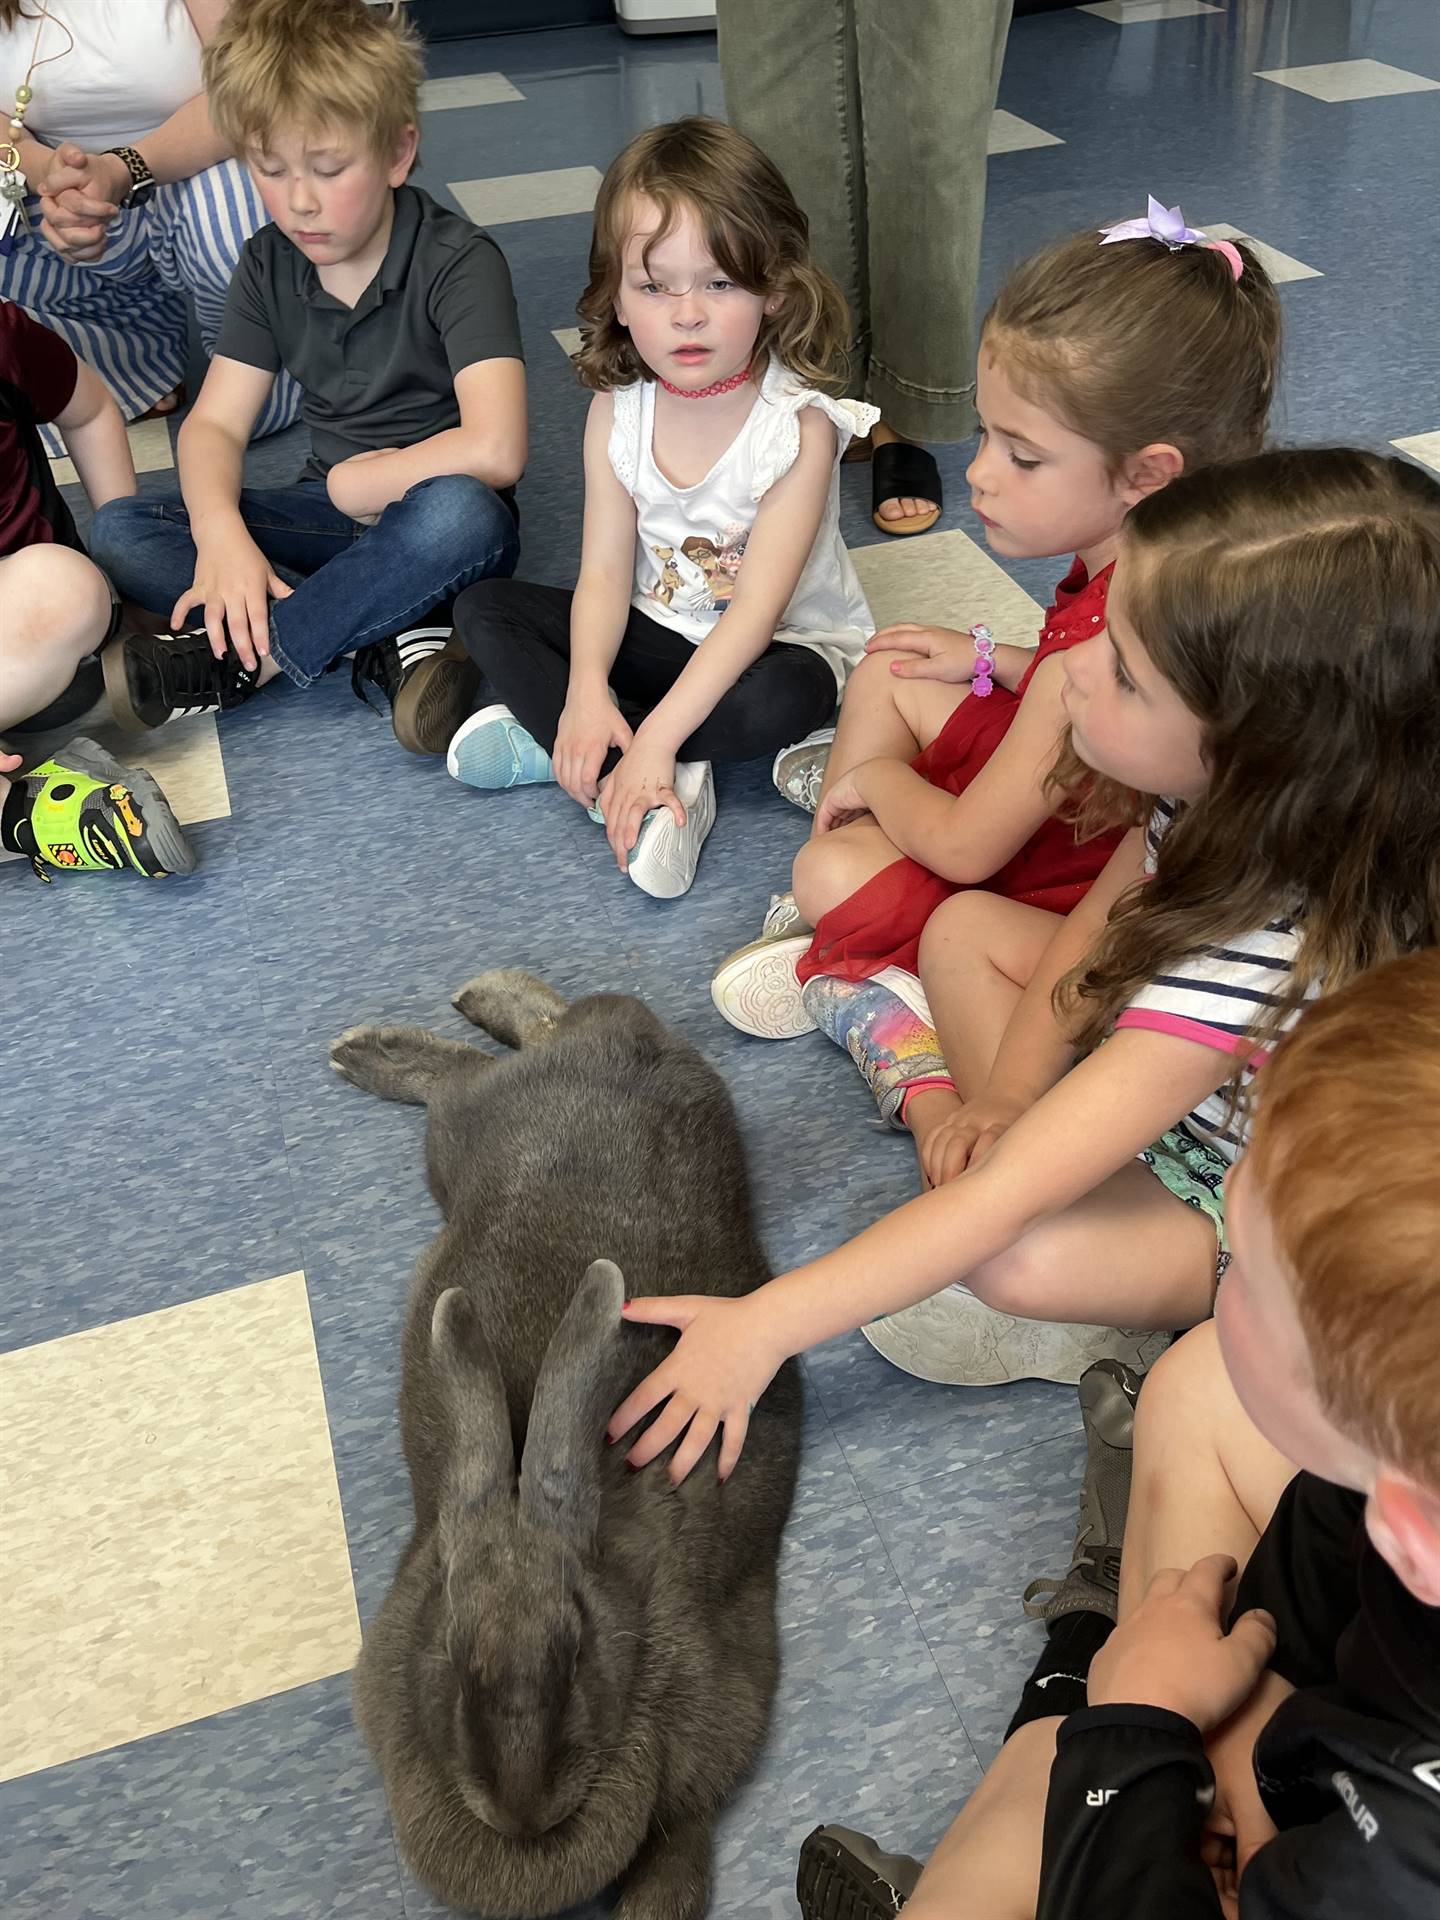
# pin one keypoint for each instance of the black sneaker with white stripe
(429, 680)
(154, 677)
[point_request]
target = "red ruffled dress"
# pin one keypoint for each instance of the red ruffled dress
(880, 925)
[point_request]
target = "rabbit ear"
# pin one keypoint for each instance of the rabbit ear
(574, 1398)
(480, 1466)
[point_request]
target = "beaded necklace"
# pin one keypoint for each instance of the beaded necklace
(13, 187)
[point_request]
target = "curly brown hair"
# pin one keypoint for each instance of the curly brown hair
(753, 228)
(1131, 345)
(1292, 601)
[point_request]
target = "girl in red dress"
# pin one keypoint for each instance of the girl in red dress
(1104, 372)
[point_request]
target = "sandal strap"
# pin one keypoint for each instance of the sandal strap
(902, 471)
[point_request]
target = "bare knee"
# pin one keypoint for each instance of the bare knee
(55, 599)
(960, 929)
(871, 686)
(1177, 1408)
(828, 869)
(1021, 1279)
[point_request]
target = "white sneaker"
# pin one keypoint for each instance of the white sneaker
(955, 1339)
(798, 771)
(664, 857)
(756, 990)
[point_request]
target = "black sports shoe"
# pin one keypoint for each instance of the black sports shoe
(429, 680)
(154, 677)
(844, 1876)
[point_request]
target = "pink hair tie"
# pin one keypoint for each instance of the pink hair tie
(1231, 253)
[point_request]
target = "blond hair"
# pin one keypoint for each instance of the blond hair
(1342, 1156)
(316, 64)
(1131, 345)
(755, 233)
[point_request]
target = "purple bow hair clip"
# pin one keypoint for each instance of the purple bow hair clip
(1166, 224)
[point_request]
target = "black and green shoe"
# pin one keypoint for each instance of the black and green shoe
(85, 812)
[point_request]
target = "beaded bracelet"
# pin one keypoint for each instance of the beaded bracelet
(982, 683)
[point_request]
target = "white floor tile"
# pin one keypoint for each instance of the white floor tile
(1010, 134)
(1421, 446)
(1130, 13)
(528, 196)
(1280, 266)
(150, 449)
(1334, 80)
(947, 580)
(567, 339)
(467, 90)
(172, 1523)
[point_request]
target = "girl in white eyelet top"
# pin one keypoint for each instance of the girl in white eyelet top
(717, 613)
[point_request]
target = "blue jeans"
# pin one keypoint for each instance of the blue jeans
(353, 584)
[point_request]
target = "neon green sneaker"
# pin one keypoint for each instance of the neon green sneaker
(85, 812)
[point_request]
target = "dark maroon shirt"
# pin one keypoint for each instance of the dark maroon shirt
(37, 379)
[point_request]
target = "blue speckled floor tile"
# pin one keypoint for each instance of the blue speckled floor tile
(175, 1128)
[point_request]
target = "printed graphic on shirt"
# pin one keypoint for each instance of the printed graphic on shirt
(701, 577)
(1365, 1820)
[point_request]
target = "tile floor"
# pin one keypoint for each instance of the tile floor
(208, 1240)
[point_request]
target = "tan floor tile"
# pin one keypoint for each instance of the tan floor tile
(528, 196)
(467, 90)
(1010, 134)
(1280, 266)
(150, 449)
(1421, 446)
(567, 339)
(947, 580)
(172, 1525)
(185, 758)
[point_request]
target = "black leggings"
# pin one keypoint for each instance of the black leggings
(519, 637)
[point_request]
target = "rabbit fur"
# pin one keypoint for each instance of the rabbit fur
(575, 1663)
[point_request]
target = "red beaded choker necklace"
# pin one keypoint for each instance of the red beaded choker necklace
(705, 393)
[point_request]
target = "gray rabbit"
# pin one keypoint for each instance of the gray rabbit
(575, 1663)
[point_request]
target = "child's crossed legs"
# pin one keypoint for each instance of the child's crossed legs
(1205, 1481)
(880, 718)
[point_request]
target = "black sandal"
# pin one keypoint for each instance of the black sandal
(903, 471)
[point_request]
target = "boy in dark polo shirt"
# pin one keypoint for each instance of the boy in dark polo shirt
(396, 317)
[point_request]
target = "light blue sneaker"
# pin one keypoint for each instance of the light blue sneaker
(492, 750)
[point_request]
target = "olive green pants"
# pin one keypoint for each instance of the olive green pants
(878, 114)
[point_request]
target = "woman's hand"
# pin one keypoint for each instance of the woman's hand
(717, 1370)
(645, 778)
(79, 197)
(941, 653)
(590, 726)
(842, 803)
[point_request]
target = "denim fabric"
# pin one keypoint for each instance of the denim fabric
(353, 584)
(878, 114)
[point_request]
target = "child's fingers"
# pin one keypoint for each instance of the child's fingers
(692, 1447)
(1253, 1636)
(277, 588)
(877, 641)
(1206, 1580)
(183, 606)
(737, 1425)
(667, 797)
(662, 1432)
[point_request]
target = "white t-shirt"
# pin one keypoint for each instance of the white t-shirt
(1217, 998)
(690, 541)
(134, 62)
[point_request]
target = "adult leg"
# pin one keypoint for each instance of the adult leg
(115, 312)
(443, 535)
(1205, 1479)
(929, 72)
(196, 229)
(57, 610)
(791, 85)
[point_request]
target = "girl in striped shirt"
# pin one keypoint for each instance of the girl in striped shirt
(1271, 666)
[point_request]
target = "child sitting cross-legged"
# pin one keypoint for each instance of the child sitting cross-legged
(397, 319)
(76, 808)
(1271, 1753)
(1109, 363)
(1271, 671)
(717, 612)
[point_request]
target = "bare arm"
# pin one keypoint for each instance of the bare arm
(945, 653)
(233, 580)
(970, 836)
(1114, 1104)
(490, 444)
(94, 435)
